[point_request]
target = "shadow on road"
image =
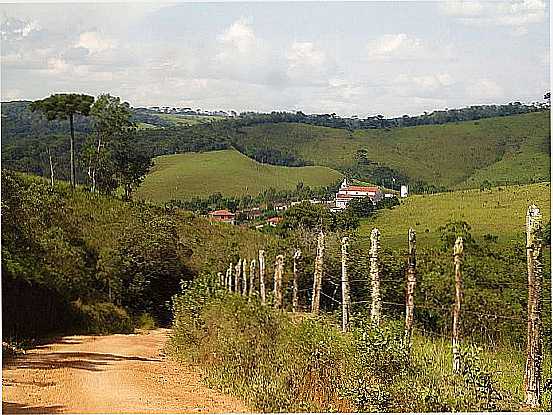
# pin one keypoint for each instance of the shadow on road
(77, 360)
(17, 408)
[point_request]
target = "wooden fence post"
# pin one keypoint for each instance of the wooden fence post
(244, 278)
(220, 277)
(237, 270)
(252, 280)
(346, 300)
(262, 277)
(229, 277)
(458, 260)
(318, 274)
(297, 256)
(533, 370)
(279, 269)
(411, 282)
(376, 308)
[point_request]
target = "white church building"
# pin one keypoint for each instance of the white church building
(348, 192)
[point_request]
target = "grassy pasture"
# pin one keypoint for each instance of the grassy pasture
(188, 120)
(500, 211)
(513, 149)
(182, 176)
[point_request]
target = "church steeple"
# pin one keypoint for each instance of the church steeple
(344, 184)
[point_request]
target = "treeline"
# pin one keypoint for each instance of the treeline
(471, 113)
(266, 199)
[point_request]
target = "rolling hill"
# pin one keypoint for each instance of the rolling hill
(501, 150)
(183, 176)
(500, 211)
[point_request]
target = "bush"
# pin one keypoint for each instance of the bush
(146, 322)
(101, 318)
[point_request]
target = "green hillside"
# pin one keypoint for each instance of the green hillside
(513, 149)
(182, 176)
(500, 212)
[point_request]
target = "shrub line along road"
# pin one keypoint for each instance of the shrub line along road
(107, 374)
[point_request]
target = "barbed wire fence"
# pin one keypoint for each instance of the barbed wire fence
(339, 294)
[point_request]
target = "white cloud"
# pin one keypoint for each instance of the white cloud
(391, 46)
(422, 85)
(306, 62)
(14, 29)
(94, 42)
(238, 38)
(484, 90)
(518, 14)
(465, 8)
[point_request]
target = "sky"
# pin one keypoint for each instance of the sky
(354, 58)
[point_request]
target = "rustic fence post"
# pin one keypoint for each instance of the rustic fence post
(252, 280)
(318, 274)
(376, 308)
(411, 282)
(458, 260)
(279, 269)
(297, 256)
(262, 277)
(346, 300)
(244, 278)
(220, 277)
(532, 373)
(229, 277)
(237, 270)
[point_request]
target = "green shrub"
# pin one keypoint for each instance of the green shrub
(101, 318)
(146, 322)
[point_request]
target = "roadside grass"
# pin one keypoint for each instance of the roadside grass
(500, 211)
(278, 362)
(511, 149)
(183, 176)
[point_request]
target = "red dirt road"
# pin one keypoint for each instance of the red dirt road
(107, 374)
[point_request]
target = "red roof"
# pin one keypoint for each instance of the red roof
(276, 219)
(362, 189)
(222, 212)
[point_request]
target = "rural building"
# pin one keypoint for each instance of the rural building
(222, 216)
(404, 191)
(348, 192)
(274, 221)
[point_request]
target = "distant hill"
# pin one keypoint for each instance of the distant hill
(501, 150)
(183, 176)
(443, 155)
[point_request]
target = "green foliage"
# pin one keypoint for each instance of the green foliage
(59, 246)
(101, 318)
(362, 207)
(63, 106)
(453, 230)
(308, 216)
(146, 322)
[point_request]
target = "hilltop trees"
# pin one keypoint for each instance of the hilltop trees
(65, 106)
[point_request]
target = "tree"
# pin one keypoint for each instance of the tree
(65, 106)
(361, 207)
(451, 231)
(307, 216)
(130, 162)
(111, 118)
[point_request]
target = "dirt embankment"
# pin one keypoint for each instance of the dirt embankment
(107, 374)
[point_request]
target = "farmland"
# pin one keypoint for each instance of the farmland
(183, 176)
(499, 211)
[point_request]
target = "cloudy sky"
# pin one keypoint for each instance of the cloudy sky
(361, 58)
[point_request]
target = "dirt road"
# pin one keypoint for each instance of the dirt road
(107, 374)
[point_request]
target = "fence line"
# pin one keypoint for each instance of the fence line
(532, 375)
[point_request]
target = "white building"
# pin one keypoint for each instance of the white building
(404, 191)
(348, 192)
